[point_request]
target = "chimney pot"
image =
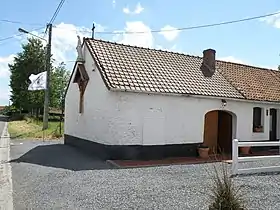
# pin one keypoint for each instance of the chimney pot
(209, 62)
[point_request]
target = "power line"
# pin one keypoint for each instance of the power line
(19, 22)
(152, 31)
(10, 37)
(199, 26)
(180, 29)
(54, 15)
(56, 11)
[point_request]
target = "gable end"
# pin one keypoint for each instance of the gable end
(99, 65)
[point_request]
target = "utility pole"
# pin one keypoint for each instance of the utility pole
(47, 90)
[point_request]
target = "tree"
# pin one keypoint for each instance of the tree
(30, 61)
(59, 80)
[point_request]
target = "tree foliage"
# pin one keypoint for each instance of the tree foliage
(31, 60)
(59, 80)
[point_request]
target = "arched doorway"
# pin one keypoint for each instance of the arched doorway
(219, 130)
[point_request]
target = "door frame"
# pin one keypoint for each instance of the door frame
(211, 131)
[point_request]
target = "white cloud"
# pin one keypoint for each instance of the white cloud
(4, 95)
(64, 40)
(231, 59)
(4, 77)
(236, 60)
(145, 39)
(170, 33)
(126, 10)
(114, 3)
(270, 67)
(173, 48)
(4, 69)
(273, 20)
(138, 9)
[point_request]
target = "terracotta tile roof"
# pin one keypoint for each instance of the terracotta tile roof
(253, 82)
(127, 67)
(134, 68)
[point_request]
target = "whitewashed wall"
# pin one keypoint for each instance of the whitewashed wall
(137, 118)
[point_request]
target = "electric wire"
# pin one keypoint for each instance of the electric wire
(54, 16)
(19, 22)
(152, 31)
(194, 27)
(56, 11)
(177, 29)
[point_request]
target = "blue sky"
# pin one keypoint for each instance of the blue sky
(254, 42)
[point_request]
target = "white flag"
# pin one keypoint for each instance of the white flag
(38, 81)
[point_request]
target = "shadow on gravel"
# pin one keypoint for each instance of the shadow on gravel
(62, 156)
(258, 174)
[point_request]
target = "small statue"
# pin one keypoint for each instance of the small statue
(79, 50)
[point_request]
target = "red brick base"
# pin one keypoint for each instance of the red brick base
(178, 161)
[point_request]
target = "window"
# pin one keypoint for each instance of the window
(257, 120)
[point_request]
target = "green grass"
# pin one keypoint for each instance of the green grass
(32, 129)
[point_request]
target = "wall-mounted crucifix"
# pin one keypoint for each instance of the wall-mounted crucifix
(81, 78)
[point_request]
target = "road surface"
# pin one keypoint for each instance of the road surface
(2, 123)
(6, 199)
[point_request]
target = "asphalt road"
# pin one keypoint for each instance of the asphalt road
(2, 123)
(50, 175)
(54, 176)
(6, 201)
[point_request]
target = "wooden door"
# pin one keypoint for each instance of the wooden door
(211, 130)
(273, 125)
(225, 132)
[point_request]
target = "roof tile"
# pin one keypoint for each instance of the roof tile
(253, 82)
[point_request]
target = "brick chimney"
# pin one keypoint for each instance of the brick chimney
(209, 60)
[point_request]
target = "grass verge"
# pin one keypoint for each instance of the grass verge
(32, 129)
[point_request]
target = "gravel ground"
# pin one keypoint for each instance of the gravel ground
(54, 176)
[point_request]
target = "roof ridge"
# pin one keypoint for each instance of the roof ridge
(147, 48)
(178, 53)
(275, 75)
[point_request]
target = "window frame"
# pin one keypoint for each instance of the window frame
(258, 120)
